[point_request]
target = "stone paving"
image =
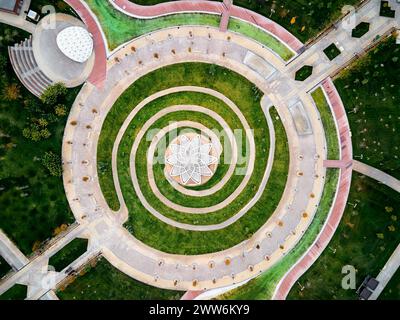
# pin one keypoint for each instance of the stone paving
(104, 227)
(152, 266)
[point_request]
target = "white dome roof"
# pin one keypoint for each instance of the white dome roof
(76, 43)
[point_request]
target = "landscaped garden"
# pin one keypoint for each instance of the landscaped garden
(120, 28)
(370, 93)
(32, 196)
(102, 281)
(303, 73)
(332, 51)
(263, 286)
(304, 18)
(366, 237)
(328, 122)
(142, 224)
(361, 29)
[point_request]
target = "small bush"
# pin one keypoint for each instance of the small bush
(52, 162)
(361, 29)
(54, 94)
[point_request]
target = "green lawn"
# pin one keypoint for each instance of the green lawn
(68, 254)
(310, 16)
(251, 111)
(141, 223)
(328, 122)
(4, 267)
(392, 289)
(120, 28)
(263, 287)
(33, 202)
(104, 282)
(371, 95)
(261, 36)
(150, 230)
(366, 237)
(17, 292)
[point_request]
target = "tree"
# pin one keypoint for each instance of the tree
(36, 133)
(52, 162)
(54, 94)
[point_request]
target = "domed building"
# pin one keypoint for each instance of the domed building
(60, 50)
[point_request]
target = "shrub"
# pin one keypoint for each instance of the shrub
(36, 133)
(52, 162)
(303, 73)
(11, 92)
(54, 94)
(60, 110)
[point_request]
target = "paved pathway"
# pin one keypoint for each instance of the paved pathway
(155, 267)
(387, 272)
(339, 203)
(323, 68)
(9, 251)
(179, 272)
(213, 7)
(377, 175)
(98, 74)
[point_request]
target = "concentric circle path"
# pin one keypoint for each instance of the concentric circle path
(157, 268)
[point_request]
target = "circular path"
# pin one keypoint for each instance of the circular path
(247, 259)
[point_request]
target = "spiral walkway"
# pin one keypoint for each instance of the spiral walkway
(247, 259)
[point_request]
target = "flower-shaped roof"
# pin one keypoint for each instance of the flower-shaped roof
(190, 159)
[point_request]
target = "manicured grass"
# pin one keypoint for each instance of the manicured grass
(370, 93)
(120, 28)
(261, 36)
(195, 74)
(16, 292)
(104, 282)
(263, 287)
(32, 202)
(328, 123)
(332, 51)
(392, 289)
(303, 73)
(4, 267)
(361, 29)
(182, 98)
(304, 18)
(141, 223)
(251, 111)
(157, 234)
(68, 254)
(366, 237)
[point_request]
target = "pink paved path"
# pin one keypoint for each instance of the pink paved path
(98, 74)
(190, 295)
(211, 7)
(340, 203)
